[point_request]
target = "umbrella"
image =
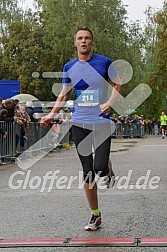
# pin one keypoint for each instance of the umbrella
(24, 97)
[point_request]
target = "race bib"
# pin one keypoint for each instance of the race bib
(88, 97)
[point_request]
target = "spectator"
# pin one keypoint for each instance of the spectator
(146, 121)
(16, 104)
(30, 110)
(122, 125)
(67, 114)
(38, 107)
(149, 127)
(10, 105)
(153, 123)
(3, 135)
(26, 127)
(21, 119)
(4, 115)
(34, 109)
(55, 133)
(159, 126)
(1, 103)
(24, 114)
(114, 118)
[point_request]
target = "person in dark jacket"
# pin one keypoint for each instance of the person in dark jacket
(3, 134)
(4, 115)
(30, 110)
(1, 100)
(9, 106)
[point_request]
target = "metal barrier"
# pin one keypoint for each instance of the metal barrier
(64, 128)
(7, 144)
(34, 133)
(128, 130)
(22, 137)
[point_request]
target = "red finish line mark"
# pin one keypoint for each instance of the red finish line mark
(102, 241)
(68, 242)
(32, 242)
(154, 242)
(80, 242)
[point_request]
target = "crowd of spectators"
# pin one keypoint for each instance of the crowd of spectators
(128, 119)
(151, 126)
(13, 112)
(25, 116)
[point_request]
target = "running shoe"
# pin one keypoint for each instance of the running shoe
(94, 223)
(109, 180)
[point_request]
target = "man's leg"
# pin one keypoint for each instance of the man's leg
(163, 132)
(102, 143)
(95, 220)
(90, 186)
(91, 194)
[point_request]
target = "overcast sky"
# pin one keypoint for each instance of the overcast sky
(135, 8)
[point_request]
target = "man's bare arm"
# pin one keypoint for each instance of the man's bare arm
(59, 104)
(106, 107)
(61, 99)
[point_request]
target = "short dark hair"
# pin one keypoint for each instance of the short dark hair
(3, 112)
(83, 29)
(8, 101)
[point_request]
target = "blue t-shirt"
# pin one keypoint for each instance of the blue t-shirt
(90, 82)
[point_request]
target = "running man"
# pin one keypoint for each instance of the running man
(163, 120)
(88, 76)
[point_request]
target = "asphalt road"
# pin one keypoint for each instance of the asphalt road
(135, 207)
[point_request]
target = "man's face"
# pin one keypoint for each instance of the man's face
(83, 42)
(23, 110)
(163, 113)
(8, 106)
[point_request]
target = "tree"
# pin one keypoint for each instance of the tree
(24, 53)
(9, 12)
(155, 59)
(105, 18)
(161, 20)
